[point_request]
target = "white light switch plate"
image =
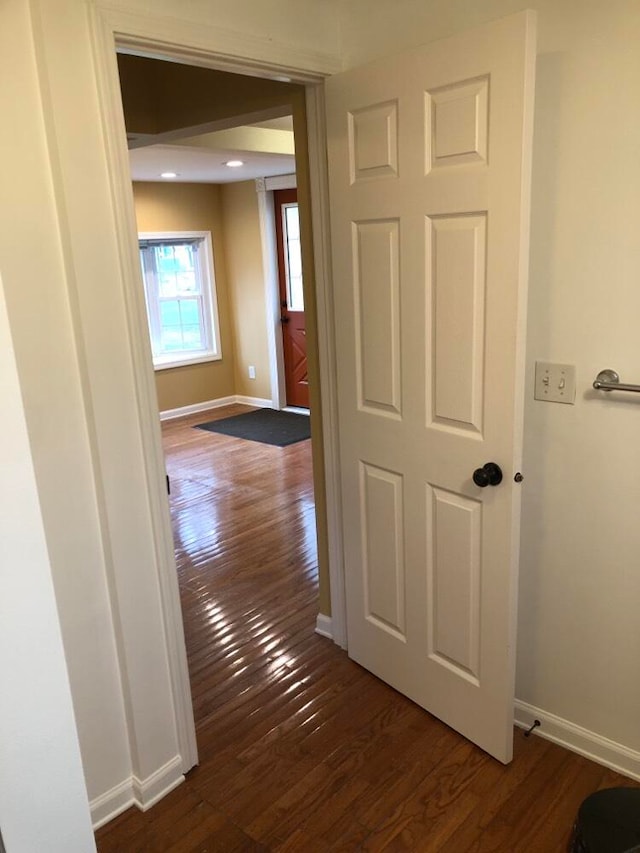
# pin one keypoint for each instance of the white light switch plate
(555, 383)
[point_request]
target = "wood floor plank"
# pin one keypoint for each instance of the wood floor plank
(301, 750)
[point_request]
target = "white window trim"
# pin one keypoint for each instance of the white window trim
(211, 301)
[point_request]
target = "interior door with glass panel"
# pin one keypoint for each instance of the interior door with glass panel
(429, 163)
(294, 341)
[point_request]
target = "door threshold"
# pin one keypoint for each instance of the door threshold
(297, 410)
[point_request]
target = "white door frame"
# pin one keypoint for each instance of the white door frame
(220, 49)
(265, 188)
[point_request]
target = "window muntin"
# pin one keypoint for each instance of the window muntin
(181, 300)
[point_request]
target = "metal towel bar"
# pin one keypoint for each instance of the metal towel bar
(608, 380)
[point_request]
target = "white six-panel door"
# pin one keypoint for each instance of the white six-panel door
(429, 156)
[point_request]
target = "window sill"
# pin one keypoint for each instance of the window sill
(186, 362)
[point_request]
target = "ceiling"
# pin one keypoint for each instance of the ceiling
(266, 149)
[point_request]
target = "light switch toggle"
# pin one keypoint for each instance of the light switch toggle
(555, 383)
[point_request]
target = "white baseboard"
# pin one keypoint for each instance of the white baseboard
(584, 742)
(135, 792)
(109, 805)
(259, 402)
(254, 401)
(323, 626)
(148, 791)
(170, 414)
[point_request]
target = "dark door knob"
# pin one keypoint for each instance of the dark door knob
(489, 475)
(284, 319)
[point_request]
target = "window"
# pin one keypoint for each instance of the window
(179, 285)
(292, 256)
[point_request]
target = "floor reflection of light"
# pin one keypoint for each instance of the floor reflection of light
(269, 645)
(282, 660)
(296, 686)
(310, 718)
(304, 519)
(215, 616)
(192, 529)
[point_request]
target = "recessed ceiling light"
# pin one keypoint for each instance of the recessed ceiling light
(169, 175)
(233, 164)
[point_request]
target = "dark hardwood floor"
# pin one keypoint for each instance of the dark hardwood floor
(300, 748)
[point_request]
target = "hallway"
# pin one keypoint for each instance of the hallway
(300, 748)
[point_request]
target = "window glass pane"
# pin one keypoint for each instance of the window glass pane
(176, 269)
(183, 257)
(295, 300)
(192, 337)
(173, 259)
(169, 312)
(171, 339)
(186, 282)
(295, 259)
(293, 221)
(167, 284)
(190, 311)
(180, 326)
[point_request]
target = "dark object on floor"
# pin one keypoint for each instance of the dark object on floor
(608, 822)
(265, 425)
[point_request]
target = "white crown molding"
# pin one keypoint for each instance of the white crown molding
(593, 746)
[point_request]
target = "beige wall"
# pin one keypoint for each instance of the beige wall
(579, 631)
(191, 207)
(243, 251)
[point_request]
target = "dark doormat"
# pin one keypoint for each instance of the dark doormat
(265, 425)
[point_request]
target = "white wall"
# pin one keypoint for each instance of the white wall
(579, 625)
(43, 799)
(37, 288)
(309, 25)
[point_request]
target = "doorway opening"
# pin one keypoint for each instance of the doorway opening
(227, 102)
